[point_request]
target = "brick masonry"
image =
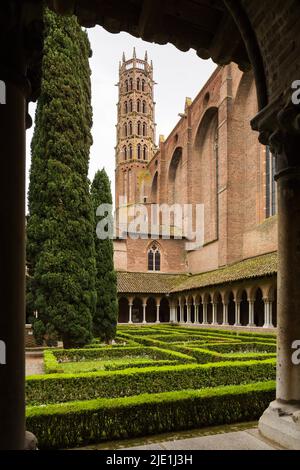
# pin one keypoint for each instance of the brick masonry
(211, 157)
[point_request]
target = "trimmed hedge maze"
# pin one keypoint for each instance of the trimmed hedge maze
(154, 379)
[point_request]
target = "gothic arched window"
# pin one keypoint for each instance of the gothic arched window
(139, 128)
(138, 106)
(145, 152)
(143, 85)
(125, 107)
(125, 129)
(144, 107)
(130, 151)
(130, 84)
(144, 129)
(130, 106)
(139, 151)
(126, 86)
(138, 84)
(130, 128)
(125, 152)
(154, 258)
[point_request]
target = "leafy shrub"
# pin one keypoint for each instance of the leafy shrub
(80, 423)
(66, 387)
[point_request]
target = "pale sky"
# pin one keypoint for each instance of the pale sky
(178, 75)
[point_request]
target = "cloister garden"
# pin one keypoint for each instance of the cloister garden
(152, 379)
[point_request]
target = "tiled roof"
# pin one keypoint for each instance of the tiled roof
(155, 283)
(261, 266)
(158, 283)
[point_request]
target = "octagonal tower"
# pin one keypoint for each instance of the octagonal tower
(135, 128)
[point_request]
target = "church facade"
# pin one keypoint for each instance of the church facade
(211, 160)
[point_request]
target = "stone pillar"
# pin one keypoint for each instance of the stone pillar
(237, 313)
(157, 310)
(20, 34)
(271, 313)
(251, 313)
(181, 306)
(214, 313)
(225, 314)
(268, 314)
(173, 313)
(188, 312)
(130, 312)
(205, 313)
(144, 313)
(281, 421)
(196, 313)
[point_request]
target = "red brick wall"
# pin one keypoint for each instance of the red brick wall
(233, 197)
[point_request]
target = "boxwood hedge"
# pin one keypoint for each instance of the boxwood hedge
(84, 422)
(56, 388)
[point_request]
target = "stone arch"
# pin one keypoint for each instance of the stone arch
(123, 315)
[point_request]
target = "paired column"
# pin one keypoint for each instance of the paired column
(144, 311)
(225, 314)
(157, 310)
(196, 318)
(130, 305)
(189, 312)
(181, 307)
(268, 323)
(251, 303)
(205, 313)
(214, 313)
(237, 313)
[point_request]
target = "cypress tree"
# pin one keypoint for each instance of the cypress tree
(60, 242)
(106, 314)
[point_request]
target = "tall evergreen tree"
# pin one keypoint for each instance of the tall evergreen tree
(60, 242)
(105, 318)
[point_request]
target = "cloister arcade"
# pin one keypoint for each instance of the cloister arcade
(241, 305)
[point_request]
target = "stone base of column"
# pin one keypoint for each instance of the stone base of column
(31, 442)
(225, 324)
(280, 423)
(268, 326)
(237, 324)
(251, 325)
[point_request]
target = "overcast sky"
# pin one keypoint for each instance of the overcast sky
(178, 75)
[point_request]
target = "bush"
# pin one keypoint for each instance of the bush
(80, 423)
(85, 386)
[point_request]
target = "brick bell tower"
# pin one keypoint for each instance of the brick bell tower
(135, 128)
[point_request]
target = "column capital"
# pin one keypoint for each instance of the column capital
(278, 125)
